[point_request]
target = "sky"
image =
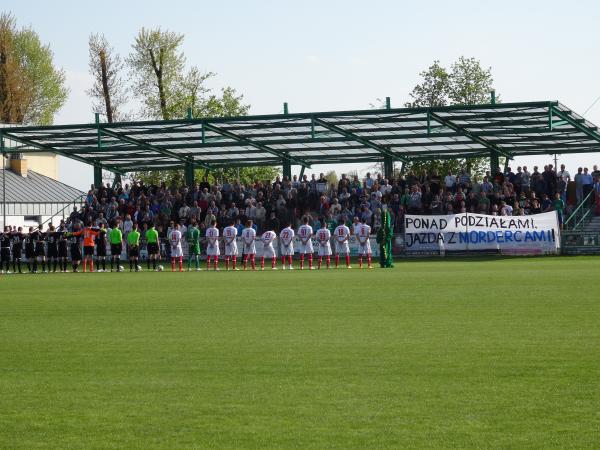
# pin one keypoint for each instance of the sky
(335, 55)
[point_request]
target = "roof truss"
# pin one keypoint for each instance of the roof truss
(373, 135)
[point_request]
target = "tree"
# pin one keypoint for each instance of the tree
(168, 91)
(109, 91)
(433, 91)
(157, 68)
(467, 83)
(246, 175)
(32, 89)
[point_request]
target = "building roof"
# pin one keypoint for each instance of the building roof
(36, 188)
(373, 135)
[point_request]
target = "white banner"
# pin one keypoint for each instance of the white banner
(535, 234)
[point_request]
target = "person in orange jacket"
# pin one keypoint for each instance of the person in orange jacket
(89, 241)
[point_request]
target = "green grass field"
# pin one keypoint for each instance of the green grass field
(478, 353)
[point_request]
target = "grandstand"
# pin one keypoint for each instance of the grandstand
(389, 135)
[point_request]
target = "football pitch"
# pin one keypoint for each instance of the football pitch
(469, 353)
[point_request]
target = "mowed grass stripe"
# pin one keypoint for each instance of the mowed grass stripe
(499, 353)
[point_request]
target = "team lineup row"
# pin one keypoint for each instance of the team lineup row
(50, 250)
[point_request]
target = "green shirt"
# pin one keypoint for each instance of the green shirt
(559, 205)
(133, 238)
(115, 236)
(331, 225)
(152, 236)
(193, 236)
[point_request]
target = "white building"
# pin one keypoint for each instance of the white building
(30, 193)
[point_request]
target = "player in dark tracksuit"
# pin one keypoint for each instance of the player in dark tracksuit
(100, 242)
(17, 249)
(52, 240)
(75, 241)
(5, 250)
(29, 250)
(40, 249)
(63, 247)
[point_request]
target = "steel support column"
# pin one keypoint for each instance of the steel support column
(189, 173)
(388, 167)
(494, 163)
(97, 176)
(287, 169)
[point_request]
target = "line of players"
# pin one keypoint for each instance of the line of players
(250, 240)
(49, 250)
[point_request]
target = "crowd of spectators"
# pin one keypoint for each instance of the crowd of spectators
(271, 204)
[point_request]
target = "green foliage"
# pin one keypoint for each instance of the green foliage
(246, 175)
(32, 89)
(433, 90)
(157, 69)
(467, 83)
(167, 89)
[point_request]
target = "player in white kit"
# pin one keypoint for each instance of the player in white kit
(176, 250)
(287, 246)
(212, 245)
(323, 238)
(363, 233)
(341, 236)
(248, 238)
(231, 250)
(305, 233)
(268, 250)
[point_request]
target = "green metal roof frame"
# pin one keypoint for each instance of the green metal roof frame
(372, 135)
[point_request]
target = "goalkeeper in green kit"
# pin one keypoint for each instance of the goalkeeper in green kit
(192, 237)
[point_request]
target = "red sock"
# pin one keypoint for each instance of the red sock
(320, 261)
(207, 262)
(84, 265)
(91, 265)
(328, 261)
(216, 262)
(172, 264)
(181, 263)
(283, 261)
(337, 260)
(302, 261)
(234, 261)
(360, 262)
(347, 260)
(262, 262)
(369, 259)
(290, 260)
(227, 262)
(253, 261)
(245, 261)
(310, 260)
(274, 262)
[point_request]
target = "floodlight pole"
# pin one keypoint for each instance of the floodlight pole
(287, 165)
(97, 169)
(494, 160)
(3, 181)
